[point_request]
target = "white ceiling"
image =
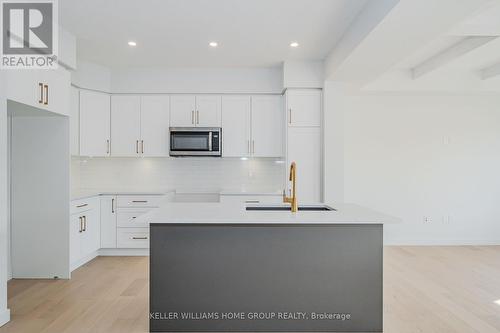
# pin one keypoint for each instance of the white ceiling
(175, 33)
(459, 73)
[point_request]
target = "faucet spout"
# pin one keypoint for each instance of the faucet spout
(293, 199)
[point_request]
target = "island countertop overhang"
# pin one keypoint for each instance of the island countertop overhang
(182, 212)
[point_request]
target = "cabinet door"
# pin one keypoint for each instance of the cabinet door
(108, 222)
(303, 107)
(304, 148)
(75, 232)
(235, 126)
(91, 235)
(154, 126)
(22, 86)
(208, 111)
(74, 122)
(56, 90)
(125, 125)
(94, 124)
(182, 111)
(267, 126)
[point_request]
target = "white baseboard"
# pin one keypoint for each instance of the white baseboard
(4, 316)
(124, 252)
(442, 242)
(83, 261)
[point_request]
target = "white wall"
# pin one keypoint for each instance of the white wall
(39, 193)
(4, 312)
(303, 74)
(197, 80)
(426, 156)
(91, 76)
(183, 174)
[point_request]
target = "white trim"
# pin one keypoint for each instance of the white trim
(441, 242)
(124, 252)
(4, 317)
(83, 261)
(185, 93)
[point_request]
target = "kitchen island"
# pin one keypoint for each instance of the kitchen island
(217, 267)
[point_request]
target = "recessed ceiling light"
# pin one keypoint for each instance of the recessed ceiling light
(294, 44)
(132, 43)
(213, 44)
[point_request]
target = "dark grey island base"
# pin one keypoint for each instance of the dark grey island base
(241, 277)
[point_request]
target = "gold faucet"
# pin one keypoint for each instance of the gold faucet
(293, 199)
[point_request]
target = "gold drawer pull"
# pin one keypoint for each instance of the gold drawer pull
(139, 201)
(138, 238)
(84, 205)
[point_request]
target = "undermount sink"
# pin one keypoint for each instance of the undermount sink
(314, 208)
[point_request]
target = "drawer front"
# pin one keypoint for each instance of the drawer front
(125, 201)
(83, 205)
(132, 238)
(252, 199)
(128, 217)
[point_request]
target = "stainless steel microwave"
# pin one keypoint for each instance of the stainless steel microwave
(196, 141)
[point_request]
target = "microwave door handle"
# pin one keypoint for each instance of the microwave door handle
(209, 141)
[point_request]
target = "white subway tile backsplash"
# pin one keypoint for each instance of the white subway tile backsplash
(183, 174)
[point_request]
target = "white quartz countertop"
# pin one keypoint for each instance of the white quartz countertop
(174, 212)
(88, 193)
(84, 194)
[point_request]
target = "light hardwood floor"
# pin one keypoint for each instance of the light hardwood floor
(426, 289)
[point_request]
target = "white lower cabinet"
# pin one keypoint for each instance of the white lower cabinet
(130, 232)
(85, 234)
(133, 238)
(108, 221)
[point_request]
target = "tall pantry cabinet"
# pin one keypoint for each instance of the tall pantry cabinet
(304, 143)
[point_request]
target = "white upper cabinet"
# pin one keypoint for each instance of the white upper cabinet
(267, 126)
(235, 126)
(95, 119)
(208, 111)
(303, 107)
(74, 122)
(43, 89)
(154, 126)
(125, 125)
(252, 126)
(191, 111)
(182, 111)
(139, 125)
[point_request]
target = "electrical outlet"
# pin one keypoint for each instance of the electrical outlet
(427, 219)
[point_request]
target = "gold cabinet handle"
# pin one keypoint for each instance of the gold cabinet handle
(81, 225)
(40, 101)
(112, 205)
(107, 147)
(192, 116)
(137, 146)
(252, 201)
(85, 223)
(139, 201)
(46, 94)
(80, 206)
(139, 238)
(198, 117)
(142, 146)
(290, 115)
